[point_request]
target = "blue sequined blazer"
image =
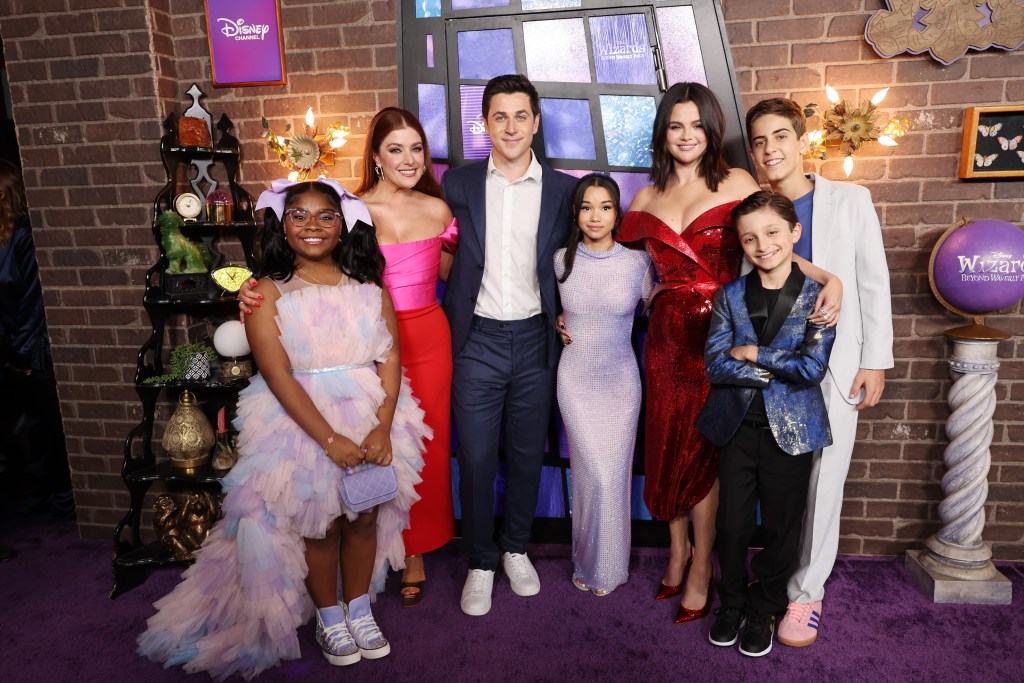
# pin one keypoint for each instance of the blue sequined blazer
(792, 359)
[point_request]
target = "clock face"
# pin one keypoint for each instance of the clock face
(231, 278)
(188, 205)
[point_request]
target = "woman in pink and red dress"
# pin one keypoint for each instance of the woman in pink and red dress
(417, 235)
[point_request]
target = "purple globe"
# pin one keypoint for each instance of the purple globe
(979, 267)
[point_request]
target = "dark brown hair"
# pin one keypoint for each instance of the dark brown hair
(778, 106)
(382, 125)
(777, 203)
(712, 166)
(575, 234)
(507, 85)
(12, 199)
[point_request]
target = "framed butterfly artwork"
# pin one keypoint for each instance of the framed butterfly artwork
(993, 145)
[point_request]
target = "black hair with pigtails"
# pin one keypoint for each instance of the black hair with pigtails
(361, 258)
(357, 252)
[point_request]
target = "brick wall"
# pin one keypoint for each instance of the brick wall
(92, 79)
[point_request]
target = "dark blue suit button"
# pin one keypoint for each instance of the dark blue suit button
(472, 299)
(480, 267)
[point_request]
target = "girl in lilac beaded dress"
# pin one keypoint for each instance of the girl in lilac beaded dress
(600, 283)
(330, 395)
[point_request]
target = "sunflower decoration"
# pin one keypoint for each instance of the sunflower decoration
(306, 154)
(849, 127)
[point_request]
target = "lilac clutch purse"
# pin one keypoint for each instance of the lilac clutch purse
(368, 485)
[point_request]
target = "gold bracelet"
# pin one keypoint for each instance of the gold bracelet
(330, 440)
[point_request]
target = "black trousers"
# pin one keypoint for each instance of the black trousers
(754, 468)
(501, 378)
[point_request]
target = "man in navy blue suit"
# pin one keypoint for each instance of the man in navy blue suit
(501, 300)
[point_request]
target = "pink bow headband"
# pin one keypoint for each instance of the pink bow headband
(352, 207)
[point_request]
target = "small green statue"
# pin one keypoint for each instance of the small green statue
(183, 255)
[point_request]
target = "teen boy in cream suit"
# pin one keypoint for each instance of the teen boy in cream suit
(841, 235)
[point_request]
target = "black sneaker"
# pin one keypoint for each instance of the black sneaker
(757, 639)
(726, 628)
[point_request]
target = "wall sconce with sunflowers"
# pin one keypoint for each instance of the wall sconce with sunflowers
(848, 127)
(309, 153)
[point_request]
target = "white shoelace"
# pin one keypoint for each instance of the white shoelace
(365, 631)
(477, 581)
(520, 566)
(338, 637)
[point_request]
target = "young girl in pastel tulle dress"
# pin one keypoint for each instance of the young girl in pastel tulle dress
(600, 283)
(330, 395)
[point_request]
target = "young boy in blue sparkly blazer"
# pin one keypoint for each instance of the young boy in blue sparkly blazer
(765, 410)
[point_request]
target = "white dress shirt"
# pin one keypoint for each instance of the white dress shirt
(510, 289)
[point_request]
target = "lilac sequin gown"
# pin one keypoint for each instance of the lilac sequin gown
(238, 606)
(599, 398)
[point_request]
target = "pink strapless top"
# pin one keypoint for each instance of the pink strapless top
(411, 268)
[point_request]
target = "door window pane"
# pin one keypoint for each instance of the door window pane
(628, 121)
(556, 50)
(486, 54)
(568, 130)
(622, 49)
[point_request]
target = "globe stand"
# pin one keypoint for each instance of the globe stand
(956, 565)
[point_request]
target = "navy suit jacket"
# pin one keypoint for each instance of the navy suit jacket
(792, 359)
(466, 193)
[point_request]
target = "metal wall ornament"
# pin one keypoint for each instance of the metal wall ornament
(945, 29)
(848, 127)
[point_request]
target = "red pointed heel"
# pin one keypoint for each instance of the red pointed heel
(686, 614)
(666, 591)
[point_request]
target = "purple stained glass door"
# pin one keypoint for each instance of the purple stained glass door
(600, 70)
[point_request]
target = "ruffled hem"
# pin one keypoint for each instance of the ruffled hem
(237, 608)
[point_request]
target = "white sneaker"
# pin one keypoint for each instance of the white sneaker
(476, 594)
(521, 574)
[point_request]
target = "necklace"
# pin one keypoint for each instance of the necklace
(314, 278)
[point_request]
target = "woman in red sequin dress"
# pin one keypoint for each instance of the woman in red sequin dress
(683, 222)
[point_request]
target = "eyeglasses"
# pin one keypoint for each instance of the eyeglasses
(324, 218)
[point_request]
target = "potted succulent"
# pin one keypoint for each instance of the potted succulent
(189, 363)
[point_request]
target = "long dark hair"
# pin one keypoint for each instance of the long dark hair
(12, 199)
(712, 166)
(382, 125)
(357, 252)
(575, 234)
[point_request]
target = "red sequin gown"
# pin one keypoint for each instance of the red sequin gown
(680, 464)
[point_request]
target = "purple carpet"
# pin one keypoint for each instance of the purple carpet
(56, 624)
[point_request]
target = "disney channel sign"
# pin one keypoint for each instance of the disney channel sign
(246, 46)
(978, 267)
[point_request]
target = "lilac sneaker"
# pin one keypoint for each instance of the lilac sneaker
(371, 642)
(336, 643)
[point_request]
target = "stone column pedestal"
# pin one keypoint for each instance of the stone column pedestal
(956, 564)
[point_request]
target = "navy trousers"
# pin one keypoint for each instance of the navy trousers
(501, 378)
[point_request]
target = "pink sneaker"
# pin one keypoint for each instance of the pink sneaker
(799, 628)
